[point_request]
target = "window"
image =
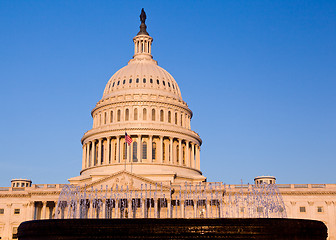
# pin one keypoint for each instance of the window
(151, 80)
(130, 81)
(157, 81)
(168, 84)
(113, 84)
(118, 117)
(135, 151)
(118, 83)
(144, 114)
(177, 153)
(169, 116)
(15, 230)
(111, 116)
(22, 184)
(319, 209)
(126, 114)
(164, 84)
(153, 114)
(105, 116)
(176, 118)
(144, 80)
(144, 150)
(164, 152)
(173, 86)
(124, 151)
(124, 81)
(2, 211)
(241, 209)
(153, 151)
(181, 119)
(302, 209)
(183, 155)
(161, 116)
(135, 114)
(16, 211)
(137, 80)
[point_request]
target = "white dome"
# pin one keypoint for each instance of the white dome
(142, 76)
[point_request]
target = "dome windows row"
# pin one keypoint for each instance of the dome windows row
(136, 114)
(144, 81)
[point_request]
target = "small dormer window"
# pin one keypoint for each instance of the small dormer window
(144, 80)
(118, 83)
(151, 80)
(130, 81)
(137, 80)
(157, 81)
(124, 81)
(113, 84)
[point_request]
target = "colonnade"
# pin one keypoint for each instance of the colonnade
(144, 148)
(41, 210)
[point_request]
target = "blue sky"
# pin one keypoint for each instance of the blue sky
(260, 77)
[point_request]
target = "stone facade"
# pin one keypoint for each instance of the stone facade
(145, 101)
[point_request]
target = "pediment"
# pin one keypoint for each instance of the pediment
(124, 180)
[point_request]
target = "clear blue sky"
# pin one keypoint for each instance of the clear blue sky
(260, 77)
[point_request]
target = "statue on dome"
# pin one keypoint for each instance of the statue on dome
(143, 16)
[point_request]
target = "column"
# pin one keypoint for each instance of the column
(44, 206)
(139, 154)
(88, 154)
(108, 150)
(198, 159)
(180, 152)
(149, 149)
(187, 154)
(161, 150)
(118, 150)
(93, 153)
(192, 157)
(84, 157)
(99, 160)
(171, 151)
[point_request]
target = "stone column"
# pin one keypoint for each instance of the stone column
(108, 148)
(180, 152)
(161, 150)
(187, 154)
(118, 150)
(93, 153)
(99, 151)
(171, 151)
(139, 149)
(88, 154)
(198, 159)
(44, 208)
(149, 149)
(84, 157)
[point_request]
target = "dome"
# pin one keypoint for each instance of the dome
(142, 75)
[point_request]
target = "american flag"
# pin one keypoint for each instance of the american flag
(128, 139)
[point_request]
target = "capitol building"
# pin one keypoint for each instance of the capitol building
(141, 134)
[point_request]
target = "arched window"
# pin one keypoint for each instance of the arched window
(164, 152)
(111, 116)
(135, 151)
(105, 116)
(169, 116)
(135, 114)
(115, 152)
(161, 116)
(100, 120)
(144, 114)
(154, 151)
(177, 153)
(126, 114)
(124, 151)
(118, 115)
(144, 150)
(181, 119)
(176, 118)
(153, 114)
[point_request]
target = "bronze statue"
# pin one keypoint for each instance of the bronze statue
(143, 16)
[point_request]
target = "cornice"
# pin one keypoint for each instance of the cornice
(192, 134)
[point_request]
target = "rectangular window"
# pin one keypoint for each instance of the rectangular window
(320, 209)
(16, 211)
(2, 211)
(302, 209)
(15, 233)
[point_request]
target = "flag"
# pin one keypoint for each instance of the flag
(128, 139)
